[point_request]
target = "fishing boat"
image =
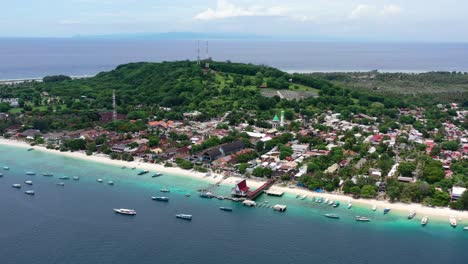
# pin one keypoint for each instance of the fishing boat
(453, 221)
(362, 219)
(412, 214)
(374, 207)
(157, 174)
(110, 182)
(424, 220)
(30, 173)
(465, 228)
(143, 172)
(331, 202)
(30, 192)
(30, 149)
(123, 167)
(350, 205)
(160, 198)
(334, 216)
(16, 185)
(133, 168)
(125, 211)
(99, 180)
(64, 178)
(303, 197)
(188, 195)
(319, 200)
(336, 204)
(76, 178)
(386, 210)
(184, 216)
(28, 182)
(164, 190)
(297, 196)
(1, 174)
(326, 200)
(47, 174)
(61, 184)
(228, 209)
(6, 168)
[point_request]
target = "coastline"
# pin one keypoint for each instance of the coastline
(442, 214)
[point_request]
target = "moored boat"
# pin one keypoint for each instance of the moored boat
(164, 190)
(30, 173)
(125, 211)
(412, 214)
(188, 195)
(6, 168)
(386, 210)
(99, 180)
(350, 205)
(362, 219)
(60, 183)
(47, 174)
(1, 175)
(279, 207)
(64, 178)
(16, 185)
(424, 220)
(319, 200)
(157, 174)
(465, 228)
(184, 216)
(325, 201)
(30, 149)
(331, 202)
(143, 172)
(110, 182)
(208, 195)
(336, 204)
(374, 207)
(160, 198)
(229, 209)
(303, 197)
(334, 216)
(453, 221)
(28, 182)
(76, 178)
(30, 192)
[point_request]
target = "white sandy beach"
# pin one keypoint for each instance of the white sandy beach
(438, 213)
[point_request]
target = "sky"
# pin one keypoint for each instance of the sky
(360, 20)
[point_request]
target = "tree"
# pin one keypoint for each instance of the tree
(433, 171)
(440, 198)
(4, 107)
(406, 168)
(355, 190)
(243, 168)
(368, 191)
(394, 193)
(450, 145)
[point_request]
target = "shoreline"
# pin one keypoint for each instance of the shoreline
(442, 214)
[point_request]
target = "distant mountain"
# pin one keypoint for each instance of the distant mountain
(175, 35)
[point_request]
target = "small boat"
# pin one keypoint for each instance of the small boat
(326, 200)
(160, 198)
(297, 196)
(110, 182)
(64, 178)
(331, 203)
(220, 197)
(30, 149)
(143, 172)
(374, 207)
(1, 175)
(30, 192)
(157, 174)
(208, 195)
(184, 216)
(336, 204)
(362, 219)
(319, 200)
(123, 167)
(30, 173)
(412, 214)
(6, 168)
(133, 168)
(334, 216)
(99, 180)
(453, 221)
(424, 220)
(228, 209)
(28, 182)
(47, 174)
(386, 210)
(76, 178)
(16, 185)
(303, 197)
(465, 228)
(164, 190)
(125, 211)
(350, 205)
(188, 195)
(61, 184)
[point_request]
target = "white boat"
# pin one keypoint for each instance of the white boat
(61, 184)
(76, 178)
(424, 220)
(374, 207)
(16, 185)
(47, 174)
(6, 168)
(325, 201)
(30, 173)
(125, 211)
(28, 182)
(30, 192)
(164, 190)
(465, 228)
(1, 174)
(160, 198)
(184, 216)
(386, 210)
(350, 205)
(362, 219)
(99, 180)
(303, 197)
(110, 182)
(412, 214)
(331, 202)
(453, 221)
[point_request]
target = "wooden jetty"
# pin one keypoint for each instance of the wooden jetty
(274, 193)
(254, 194)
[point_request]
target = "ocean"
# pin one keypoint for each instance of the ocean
(75, 223)
(32, 58)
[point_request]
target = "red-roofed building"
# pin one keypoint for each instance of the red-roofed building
(241, 189)
(376, 138)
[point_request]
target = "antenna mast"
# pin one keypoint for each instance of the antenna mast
(114, 108)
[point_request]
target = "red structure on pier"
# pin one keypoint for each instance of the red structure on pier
(242, 190)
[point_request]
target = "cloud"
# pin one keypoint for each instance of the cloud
(225, 9)
(372, 11)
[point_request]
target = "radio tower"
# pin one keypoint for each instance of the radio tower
(207, 57)
(114, 108)
(198, 53)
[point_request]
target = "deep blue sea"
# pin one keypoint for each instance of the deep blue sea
(75, 223)
(29, 58)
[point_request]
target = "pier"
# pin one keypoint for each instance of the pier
(254, 194)
(274, 193)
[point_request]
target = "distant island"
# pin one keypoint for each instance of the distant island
(340, 133)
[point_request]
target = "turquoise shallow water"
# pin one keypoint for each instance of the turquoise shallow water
(75, 223)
